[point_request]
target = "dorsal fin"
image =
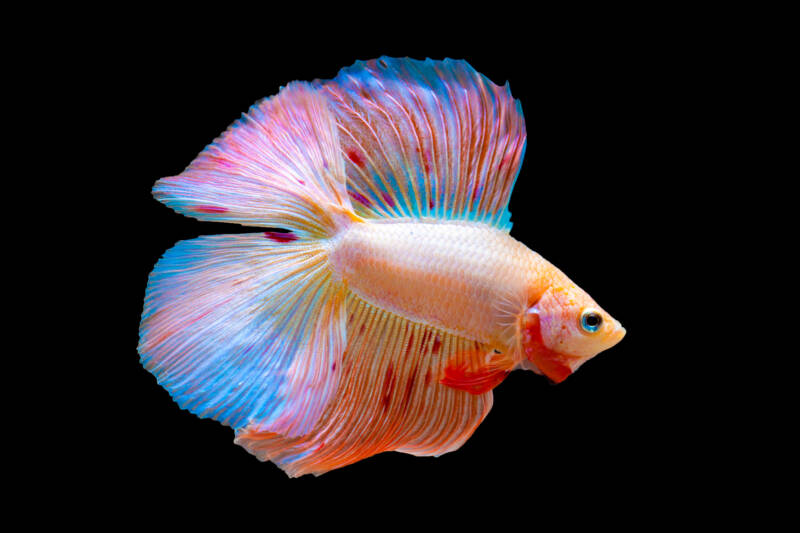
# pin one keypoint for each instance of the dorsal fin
(427, 139)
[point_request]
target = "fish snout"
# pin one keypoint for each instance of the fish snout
(617, 333)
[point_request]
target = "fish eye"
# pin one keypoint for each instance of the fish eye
(591, 320)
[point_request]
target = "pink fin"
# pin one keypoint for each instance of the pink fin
(219, 330)
(280, 165)
(427, 139)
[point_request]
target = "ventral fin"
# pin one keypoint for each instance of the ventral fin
(476, 371)
(427, 139)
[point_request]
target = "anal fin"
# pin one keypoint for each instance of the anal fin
(389, 398)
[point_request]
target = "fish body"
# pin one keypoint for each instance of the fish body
(465, 278)
(394, 302)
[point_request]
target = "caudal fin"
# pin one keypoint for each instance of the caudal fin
(240, 328)
(246, 328)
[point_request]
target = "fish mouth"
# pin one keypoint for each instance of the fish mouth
(618, 334)
(559, 366)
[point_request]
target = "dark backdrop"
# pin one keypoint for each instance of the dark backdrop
(601, 194)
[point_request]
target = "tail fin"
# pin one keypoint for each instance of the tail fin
(240, 329)
(279, 165)
(246, 328)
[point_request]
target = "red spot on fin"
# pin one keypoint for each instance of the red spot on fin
(424, 340)
(388, 385)
(437, 344)
(221, 161)
(280, 236)
(388, 199)
(458, 375)
(210, 209)
(410, 386)
(506, 160)
(359, 198)
(355, 157)
(409, 345)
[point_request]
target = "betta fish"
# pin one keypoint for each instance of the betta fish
(392, 301)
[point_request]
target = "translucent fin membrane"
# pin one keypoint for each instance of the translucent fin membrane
(280, 165)
(240, 328)
(389, 397)
(427, 139)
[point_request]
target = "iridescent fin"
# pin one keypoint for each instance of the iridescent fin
(246, 327)
(427, 139)
(389, 397)
(278, 166)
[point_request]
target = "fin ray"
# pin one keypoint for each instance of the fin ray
(427, 139)
(389, 397)
(238, 327)
(278, 166)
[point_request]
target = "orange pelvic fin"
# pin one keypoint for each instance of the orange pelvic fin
(552, 364)
(476, 371)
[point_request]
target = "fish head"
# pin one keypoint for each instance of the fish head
(564, 329)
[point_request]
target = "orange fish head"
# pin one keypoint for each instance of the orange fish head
(564, 329)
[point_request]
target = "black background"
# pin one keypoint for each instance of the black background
(602, 194)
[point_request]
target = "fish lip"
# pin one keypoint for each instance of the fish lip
(619, 332)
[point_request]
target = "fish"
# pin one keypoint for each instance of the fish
(383, 298)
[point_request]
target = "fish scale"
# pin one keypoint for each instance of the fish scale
(475, 278)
